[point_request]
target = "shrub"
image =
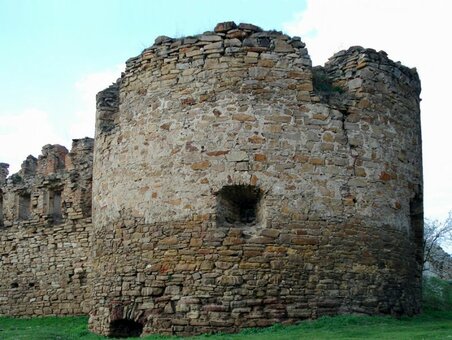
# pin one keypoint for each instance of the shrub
(322, 84)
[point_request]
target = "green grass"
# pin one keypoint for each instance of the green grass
(434, 323)
(430, 325)
(45, 328)
(437, 294)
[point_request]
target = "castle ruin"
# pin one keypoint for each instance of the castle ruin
(45, 222)
(233, 185)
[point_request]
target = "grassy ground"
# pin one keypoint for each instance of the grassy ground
(434, 323)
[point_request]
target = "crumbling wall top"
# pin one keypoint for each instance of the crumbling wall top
(81, 154)
(366, 67)
(50, 189)
(226, 39)
(52, 159)
(28, 166)
(3, 172)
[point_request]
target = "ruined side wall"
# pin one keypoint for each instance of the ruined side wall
(337, 174)
(44, 237)
(440, 264)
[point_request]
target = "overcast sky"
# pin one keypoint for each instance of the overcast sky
(57, 54)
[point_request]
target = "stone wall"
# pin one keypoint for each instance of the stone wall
(440, 264)
(44, 232)
(236, 186)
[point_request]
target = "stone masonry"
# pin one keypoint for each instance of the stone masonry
(234, 185)
(440, 264)
(45, 221)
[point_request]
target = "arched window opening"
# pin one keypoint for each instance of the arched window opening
(55, 210)
(24, 206)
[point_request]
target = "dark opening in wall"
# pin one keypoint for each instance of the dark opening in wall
(417, 225)
(125, 328)
(55, 210)
(239, 205)
(14, 285)
(1, 209)
(24, 206)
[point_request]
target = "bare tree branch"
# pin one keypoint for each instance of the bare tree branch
(435, 233)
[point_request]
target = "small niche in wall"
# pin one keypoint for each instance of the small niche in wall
(55, 210)
(14, 285)
(24, 206)
(239, 205)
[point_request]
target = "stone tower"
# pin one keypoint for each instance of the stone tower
(234, 185)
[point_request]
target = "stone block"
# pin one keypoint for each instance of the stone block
(223, 27)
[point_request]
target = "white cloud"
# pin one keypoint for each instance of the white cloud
(25, 133)
(393, 25)
(87, 88)
(415, 32)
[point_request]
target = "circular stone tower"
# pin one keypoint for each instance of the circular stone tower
(237, 186)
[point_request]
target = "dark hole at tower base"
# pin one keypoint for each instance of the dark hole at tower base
(125, 328)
